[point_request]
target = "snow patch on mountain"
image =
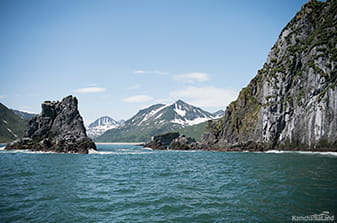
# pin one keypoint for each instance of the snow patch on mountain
(179, 111)
(10, 131)
(152, 114)
(197, 121)
(219, 114)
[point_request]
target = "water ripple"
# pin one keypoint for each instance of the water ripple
(129, 184)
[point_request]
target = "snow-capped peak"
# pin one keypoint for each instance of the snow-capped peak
(187, 114)
(178, 112)
(103, 121)
(102, 124)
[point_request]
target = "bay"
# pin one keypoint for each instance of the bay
(127, 183)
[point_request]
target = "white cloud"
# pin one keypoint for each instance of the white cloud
(3, 96)
(133, 87)
(138, 99)
(206, 96)
(192, 77)
(150, 72)
(90, 90)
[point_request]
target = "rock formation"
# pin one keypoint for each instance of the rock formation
(59, 128)
(184, 143)
(162, 142)
(292, 101)
(172, 141)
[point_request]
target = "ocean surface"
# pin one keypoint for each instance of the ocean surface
(127, 183)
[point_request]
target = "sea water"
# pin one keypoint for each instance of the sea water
(128, 183)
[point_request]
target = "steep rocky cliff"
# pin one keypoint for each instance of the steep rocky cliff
(292, 101)
(58, 128)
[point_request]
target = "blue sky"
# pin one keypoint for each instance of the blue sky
(120, 56)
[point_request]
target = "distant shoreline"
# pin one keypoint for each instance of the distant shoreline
(119, 143)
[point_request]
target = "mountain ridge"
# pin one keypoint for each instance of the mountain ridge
(157, 119)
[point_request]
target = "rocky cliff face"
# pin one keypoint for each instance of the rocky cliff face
(292, 101)
(58, 128)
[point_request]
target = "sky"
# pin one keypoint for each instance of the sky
(119, 56)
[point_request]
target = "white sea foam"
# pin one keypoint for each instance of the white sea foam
(119, 152)
(43, 152)
(24, 151)
(303, 152)
(92, 151)
(147, 148)
(119, 143)
(321, 153)
(181, 151)
(277, 151)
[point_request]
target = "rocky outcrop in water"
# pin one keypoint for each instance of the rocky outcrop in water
(184, 143)
(59, 128)
(162, 142)
(172, 141)
(292, 101)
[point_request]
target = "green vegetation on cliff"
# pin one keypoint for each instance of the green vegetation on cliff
(11, 125)
(291, 103)
(194, 131)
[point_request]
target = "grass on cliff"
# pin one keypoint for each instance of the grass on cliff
(9, 120)
(194, 131)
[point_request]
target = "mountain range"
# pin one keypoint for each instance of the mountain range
(156, 119)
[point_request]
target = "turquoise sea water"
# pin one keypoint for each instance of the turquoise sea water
(125, 183)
